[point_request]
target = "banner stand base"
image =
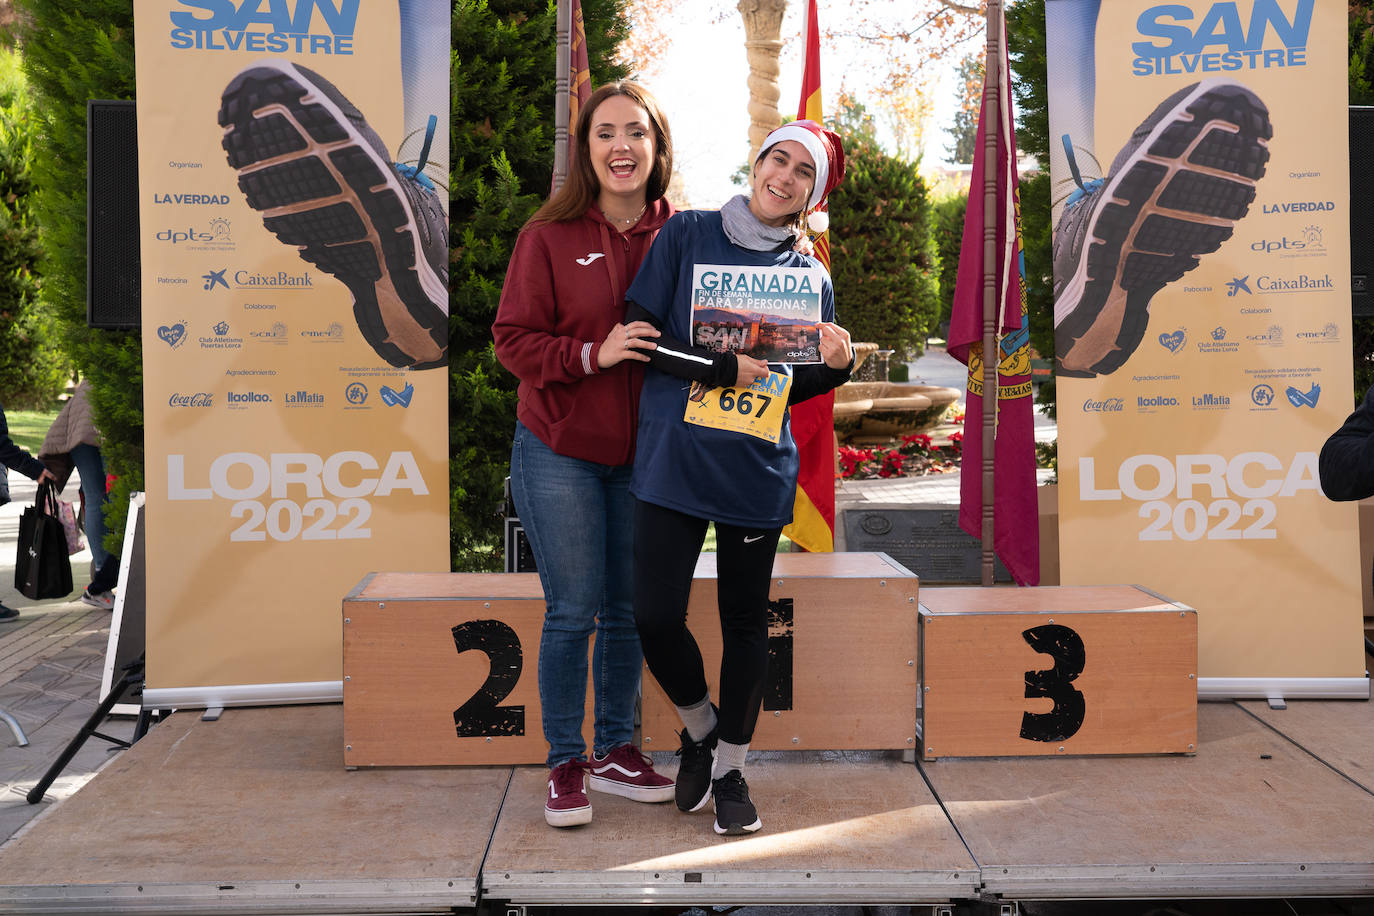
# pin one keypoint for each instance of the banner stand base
(1279, 689)
(223, 695)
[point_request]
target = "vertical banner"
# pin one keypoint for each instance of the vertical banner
(1202, 322)
(293, 162)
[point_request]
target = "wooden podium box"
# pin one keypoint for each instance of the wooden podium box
(1056, 670)
(842, 655)
(442, 668)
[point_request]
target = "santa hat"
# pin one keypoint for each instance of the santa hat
(828, 155)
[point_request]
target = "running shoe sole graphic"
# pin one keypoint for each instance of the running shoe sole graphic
(309, 162)
(1174, 193)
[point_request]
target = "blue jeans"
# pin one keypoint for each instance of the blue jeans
(578, 516)
(91, 468)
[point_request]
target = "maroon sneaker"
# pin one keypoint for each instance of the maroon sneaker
(628, 772)
(567, 804)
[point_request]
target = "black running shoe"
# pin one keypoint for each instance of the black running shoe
(735, 813)
(693, 789)
(1174, 192)
(326, 184)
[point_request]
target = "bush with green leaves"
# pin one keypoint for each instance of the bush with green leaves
(502, 166)
(883, 258)
(73, 52)
(1026, 46)
(33, 369)
(949, 239)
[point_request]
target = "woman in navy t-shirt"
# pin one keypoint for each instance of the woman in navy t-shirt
(715, 444)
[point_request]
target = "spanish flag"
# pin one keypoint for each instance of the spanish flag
(813, 421)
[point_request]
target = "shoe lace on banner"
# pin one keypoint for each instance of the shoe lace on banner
(417, 172)
(1084, 189)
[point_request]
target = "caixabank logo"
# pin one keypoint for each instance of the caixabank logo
(1288, 284)
(1218, 38)
(277, 27)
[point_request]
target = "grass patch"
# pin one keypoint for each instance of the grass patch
(28, 427)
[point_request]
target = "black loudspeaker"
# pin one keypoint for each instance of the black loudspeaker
(113, 280)
(1361, 210)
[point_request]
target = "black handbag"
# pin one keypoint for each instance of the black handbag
(41, 566)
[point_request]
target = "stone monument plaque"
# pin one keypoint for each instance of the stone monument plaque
(926, 540)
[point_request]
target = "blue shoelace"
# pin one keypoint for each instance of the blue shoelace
(1084, 189)
(416, 172)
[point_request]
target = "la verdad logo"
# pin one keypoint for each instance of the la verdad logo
(1215, 39)
(266, 26)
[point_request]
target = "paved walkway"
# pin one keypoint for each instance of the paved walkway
(51, 660)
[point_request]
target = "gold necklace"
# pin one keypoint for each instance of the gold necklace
(628, 220)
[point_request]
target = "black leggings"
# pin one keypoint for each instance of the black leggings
(667, 544)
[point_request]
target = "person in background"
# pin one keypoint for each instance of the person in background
(561, 329)
(73, 441)
(689, 473)
(1345, 466)
(17, 459)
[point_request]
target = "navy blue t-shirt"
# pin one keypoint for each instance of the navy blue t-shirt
(708, 473)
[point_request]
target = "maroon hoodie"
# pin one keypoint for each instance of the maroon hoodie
(565, 289)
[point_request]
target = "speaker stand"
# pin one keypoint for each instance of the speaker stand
(131, 683)
(15, 727)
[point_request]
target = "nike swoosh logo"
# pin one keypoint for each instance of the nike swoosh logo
(590, 258)
(757, 537)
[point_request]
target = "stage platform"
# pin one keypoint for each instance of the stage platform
(255, 813)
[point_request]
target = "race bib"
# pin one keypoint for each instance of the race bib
(753, 411)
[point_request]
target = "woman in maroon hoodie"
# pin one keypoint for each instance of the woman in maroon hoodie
(561, 330)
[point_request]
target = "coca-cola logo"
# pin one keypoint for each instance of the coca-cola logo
(1109, 405)
(199, 399)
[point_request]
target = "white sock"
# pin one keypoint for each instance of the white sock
(699, 718)
(728, 757)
